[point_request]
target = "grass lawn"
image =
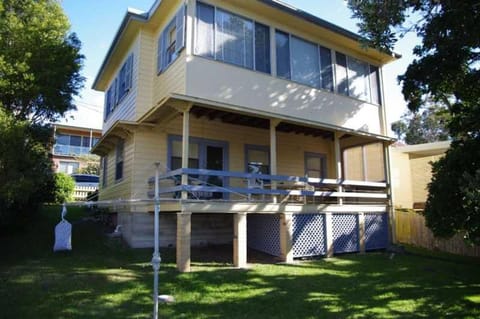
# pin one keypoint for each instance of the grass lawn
(101, 278)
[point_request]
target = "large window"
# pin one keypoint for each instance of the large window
(119, 88)
(119, 159)
(233, 39)
(357, 79)
(315, 165)
(303, 61)
(171, 41)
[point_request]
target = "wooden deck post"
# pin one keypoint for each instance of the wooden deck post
(286, 237)
(329, 234)
(184, 229)
(361, 231)
(240, 240)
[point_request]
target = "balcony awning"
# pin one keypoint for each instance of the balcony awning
(119, 130)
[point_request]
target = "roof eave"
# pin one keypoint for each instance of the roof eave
(322, 23)
(129, 16)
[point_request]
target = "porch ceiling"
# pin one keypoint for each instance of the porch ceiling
(257, 122)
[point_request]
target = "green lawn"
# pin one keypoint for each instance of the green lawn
(101, 278)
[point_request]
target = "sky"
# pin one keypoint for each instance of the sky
(96, 21)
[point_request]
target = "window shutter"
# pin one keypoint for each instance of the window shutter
(128, 73)
(108, 99)
(161, 50)
(180, 27)
(115, 94)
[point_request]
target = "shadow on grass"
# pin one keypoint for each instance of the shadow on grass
(102, 278)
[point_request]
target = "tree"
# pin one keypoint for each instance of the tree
(445, 70)
(424, 126)
(64, 187)
(92, 168)
(25, 170)
(39, 75)
(39, 60)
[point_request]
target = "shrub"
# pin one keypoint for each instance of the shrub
(64, 187)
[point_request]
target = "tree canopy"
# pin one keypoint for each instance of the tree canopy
(446, 69)
(40, 64)
(40, 60)
(426, 125)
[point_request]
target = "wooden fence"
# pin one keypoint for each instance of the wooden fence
(410, 229)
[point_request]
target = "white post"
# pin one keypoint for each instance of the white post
(91, 136)
(390, 208)
(185, 149)
(273, 153)
(338, 165)
(156, 254)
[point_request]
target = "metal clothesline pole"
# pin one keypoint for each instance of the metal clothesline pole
(156, 254)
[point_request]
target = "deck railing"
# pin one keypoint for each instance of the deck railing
(229, 185)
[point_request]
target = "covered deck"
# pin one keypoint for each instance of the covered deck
(288, 217)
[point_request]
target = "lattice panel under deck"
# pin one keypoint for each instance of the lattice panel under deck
(376, 231)
(263, 233)
(308, 235)
(345, 233)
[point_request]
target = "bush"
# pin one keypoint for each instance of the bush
(64, 187)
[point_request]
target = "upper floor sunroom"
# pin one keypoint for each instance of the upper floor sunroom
(263, 37)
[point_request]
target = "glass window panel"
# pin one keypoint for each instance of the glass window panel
(314, 163)
(120, 151)
(262, 48)
(258, 156)
(358, 79)
(326, 68)
(75, 140)
(341, 73)
(282, 43)
(63, 139)
(205, 30)
(375, 85)
(234, 39)
(86, 141)
(305, 62)
(177, 149)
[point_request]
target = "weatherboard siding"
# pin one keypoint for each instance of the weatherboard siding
(125, 110)
(119, 189)
(146, 73)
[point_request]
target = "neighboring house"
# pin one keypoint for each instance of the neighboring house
(412, 171)
(71, 152)
(217, 90)
(71, 149)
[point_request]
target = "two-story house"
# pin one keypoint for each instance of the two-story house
(252, 109)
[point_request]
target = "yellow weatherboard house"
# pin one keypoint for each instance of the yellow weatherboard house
(260, 116)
